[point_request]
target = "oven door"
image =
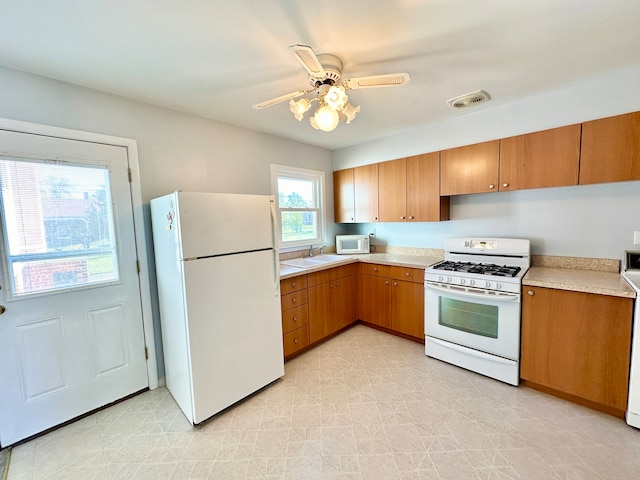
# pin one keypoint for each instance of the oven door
(485, 322)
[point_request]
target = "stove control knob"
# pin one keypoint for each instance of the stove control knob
(472, 282)
(487, 284)
(498, 286)
(462, 281)
(448, 279)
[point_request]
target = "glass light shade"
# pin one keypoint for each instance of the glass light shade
(326, 118)
(300, 107)
(350, 112)
(336, 98)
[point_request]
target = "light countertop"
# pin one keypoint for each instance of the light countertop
(410, 261)
(587, 281)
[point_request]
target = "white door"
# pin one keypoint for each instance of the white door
(71, 332)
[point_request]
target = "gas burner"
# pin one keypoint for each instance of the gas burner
(479, 268)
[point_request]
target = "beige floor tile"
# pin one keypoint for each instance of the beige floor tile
(363, 406)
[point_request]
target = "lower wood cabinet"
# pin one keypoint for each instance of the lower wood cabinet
(332, 301)
(393, 298)
(295, 314)
(577, 346)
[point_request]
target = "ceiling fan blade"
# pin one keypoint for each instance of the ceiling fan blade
(281, 98)
(308, 59)
(374, 81)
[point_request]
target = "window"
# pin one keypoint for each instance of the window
(58, 225)
(299, 201)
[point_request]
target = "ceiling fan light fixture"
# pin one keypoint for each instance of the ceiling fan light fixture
(336, 97)
(299, 108)
(350, 112)
(325, 119)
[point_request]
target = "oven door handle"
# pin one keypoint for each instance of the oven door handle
(471, 351)
(503, 297)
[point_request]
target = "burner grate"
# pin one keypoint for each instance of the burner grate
(479, 268)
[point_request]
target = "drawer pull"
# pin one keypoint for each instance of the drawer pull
(295, 319)
(530, 292)
(386, 282)
(492, 186)
(375, 269)
(407, 274)
(295, 340)
(395, 284)
(293, 284)
(293, 300)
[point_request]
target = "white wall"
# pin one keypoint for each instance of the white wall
(175, 151)
(590, 221)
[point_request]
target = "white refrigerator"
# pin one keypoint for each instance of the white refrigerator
(219, 293)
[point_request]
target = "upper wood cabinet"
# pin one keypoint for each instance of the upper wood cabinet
(365, 183)
(424, 203)
(344, 196)
(611, 149)
(470, 169)
(392, 191)
(542, 159)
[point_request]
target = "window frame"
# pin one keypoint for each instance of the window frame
(318, 178)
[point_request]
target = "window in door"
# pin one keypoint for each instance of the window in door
(299, 201)
(58, 225)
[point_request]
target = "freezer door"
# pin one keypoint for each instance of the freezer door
(235, 329)
(220, 223)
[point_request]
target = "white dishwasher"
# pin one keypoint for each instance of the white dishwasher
(632, 275)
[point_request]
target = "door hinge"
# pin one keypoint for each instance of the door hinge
(146, 353)
(130, 175)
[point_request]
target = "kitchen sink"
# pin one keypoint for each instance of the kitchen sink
(310, 262)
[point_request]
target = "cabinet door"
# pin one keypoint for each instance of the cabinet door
(407, 308)
(541, 159)
(392, 188)
(577, 343)
(470, 169)
(320, 311)
(344, 296)
(610, 149)
(344, 196)
(424, 203)
(376, 300)
(365, 180)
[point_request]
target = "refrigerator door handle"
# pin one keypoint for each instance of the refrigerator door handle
(276, 257)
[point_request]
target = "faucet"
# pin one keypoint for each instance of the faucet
(320, 248)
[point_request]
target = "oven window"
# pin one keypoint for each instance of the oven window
(469, 317)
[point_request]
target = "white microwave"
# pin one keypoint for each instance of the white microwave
(346, 244)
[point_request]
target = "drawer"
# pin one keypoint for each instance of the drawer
(295, 318)
(373, 269)
(294, 299)
(331, 274)
(409, 274)
(293, 284)
(295, 340)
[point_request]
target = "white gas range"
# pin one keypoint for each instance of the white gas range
(631, 272)
(472, 305)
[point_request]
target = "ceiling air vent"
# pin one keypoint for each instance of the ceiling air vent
(469, 99)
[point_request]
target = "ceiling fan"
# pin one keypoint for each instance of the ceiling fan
(325, 78)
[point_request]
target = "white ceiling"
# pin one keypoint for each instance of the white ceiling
(215, 58)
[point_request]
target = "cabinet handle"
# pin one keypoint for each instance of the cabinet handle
(331, 285)
(295, 319)
(402, 218)
(386, 282)
(293, 300)
(407, 274)
(337, 284)
(530, 292)
(395, 284)
(375, 269)
(410, 217)
(505, 184)
(293, 284)
(295, 340)
(492, 186)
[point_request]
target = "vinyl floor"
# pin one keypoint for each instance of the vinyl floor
(364, 405)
